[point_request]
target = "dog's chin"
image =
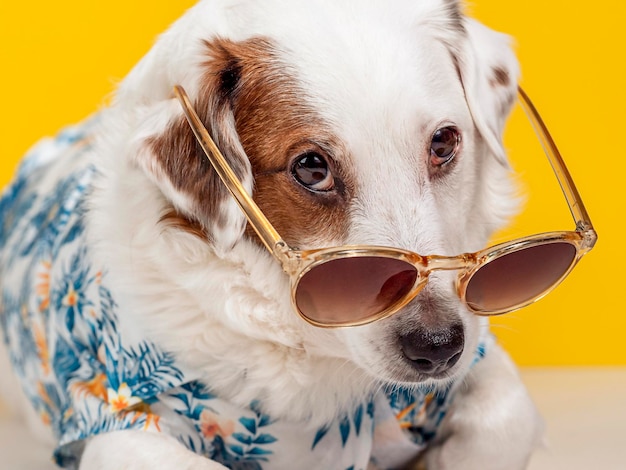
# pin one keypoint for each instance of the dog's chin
(394, 368)
(405, 375)
(408, 376)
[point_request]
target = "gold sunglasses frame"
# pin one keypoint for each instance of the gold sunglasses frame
(296, 263)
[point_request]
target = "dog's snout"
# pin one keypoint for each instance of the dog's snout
(431, 351)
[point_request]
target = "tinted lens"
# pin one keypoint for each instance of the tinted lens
(517, 278)
(353, 289)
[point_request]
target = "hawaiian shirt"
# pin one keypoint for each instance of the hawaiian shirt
(86, 371)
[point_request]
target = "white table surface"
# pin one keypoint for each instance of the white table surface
(584, 408)
(585, 413)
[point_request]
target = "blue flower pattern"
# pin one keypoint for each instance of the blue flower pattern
(86, 372)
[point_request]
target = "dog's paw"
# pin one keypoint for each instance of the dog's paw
(492, 425)
(140, 450)
(456, 454)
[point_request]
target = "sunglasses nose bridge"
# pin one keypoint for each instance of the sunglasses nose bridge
(462, 262)
(426, 265)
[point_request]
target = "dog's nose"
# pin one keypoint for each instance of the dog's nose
(431, 351)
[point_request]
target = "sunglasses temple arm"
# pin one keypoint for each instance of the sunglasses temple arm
(264, 229)
(576, 206)
(559, 167)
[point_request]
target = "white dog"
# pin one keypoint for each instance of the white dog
(152, 329)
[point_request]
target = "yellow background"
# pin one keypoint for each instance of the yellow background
(60, 60)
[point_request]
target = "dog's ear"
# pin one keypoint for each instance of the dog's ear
(489, 73)
(167, 151)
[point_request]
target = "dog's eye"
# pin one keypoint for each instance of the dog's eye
(444, 145)
(311, 171)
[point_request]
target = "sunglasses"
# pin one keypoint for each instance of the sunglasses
(359, 284)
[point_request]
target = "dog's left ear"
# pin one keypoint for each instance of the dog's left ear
(168, 153)
(489, 73)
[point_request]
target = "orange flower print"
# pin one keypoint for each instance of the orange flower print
(43, 286)
(121, 399)
(45, 417)
(403, 414)
(152, 419)
(42, 348)
(95, 387)
(420, 418)
(211, 425)
(68, 414)
(43, 394)
(144, 410)
(71, 298)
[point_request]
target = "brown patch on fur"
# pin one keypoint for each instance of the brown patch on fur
(249, 100)
(275, 124)
(500, 77)
(173, 219)
(181, 160)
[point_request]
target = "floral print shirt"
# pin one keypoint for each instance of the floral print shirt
(86, 371)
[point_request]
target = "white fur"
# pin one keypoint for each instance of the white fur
(382, 73)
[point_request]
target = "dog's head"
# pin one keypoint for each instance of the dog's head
(350, 123)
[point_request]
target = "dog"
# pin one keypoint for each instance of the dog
(149, 326)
